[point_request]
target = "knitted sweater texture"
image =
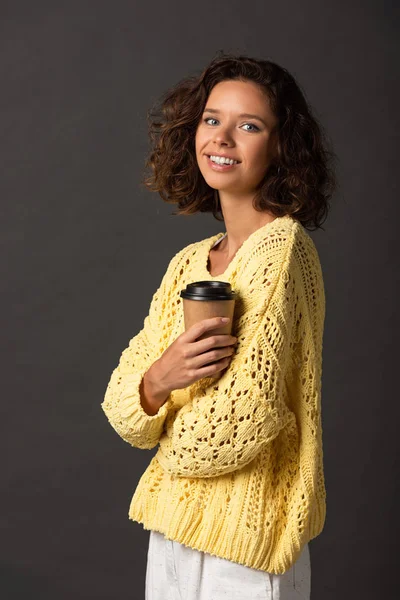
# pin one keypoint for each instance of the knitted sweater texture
(238, 471)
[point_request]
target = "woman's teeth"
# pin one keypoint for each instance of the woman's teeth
(220, 160)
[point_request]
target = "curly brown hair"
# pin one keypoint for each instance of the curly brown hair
(300, 181)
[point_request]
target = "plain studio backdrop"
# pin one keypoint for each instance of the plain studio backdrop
(84, 247)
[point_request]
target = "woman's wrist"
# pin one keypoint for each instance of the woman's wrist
(152, 397)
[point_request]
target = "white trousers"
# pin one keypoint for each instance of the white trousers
(177, 572)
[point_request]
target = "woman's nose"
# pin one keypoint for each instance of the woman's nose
(225, 129)
(223, 137)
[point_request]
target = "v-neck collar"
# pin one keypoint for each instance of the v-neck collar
(251, 241)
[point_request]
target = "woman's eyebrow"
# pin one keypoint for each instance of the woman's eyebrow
(245, 115)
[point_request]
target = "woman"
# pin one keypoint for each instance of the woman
(236, 490)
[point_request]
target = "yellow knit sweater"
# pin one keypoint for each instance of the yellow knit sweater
(239, 468)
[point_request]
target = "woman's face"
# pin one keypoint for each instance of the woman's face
(225, 130)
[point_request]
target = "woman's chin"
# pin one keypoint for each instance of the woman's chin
(223, 182)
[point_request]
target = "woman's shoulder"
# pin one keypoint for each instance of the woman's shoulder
(187, 254)
(284, 250)
(286, 237)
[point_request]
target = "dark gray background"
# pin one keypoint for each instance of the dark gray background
(84, 247)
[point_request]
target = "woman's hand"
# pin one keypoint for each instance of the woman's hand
(187, 360)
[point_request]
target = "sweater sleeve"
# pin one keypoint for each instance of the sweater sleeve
(121, 403)
(224, 428)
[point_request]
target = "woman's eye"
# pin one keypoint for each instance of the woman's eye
(248, 124)
(252, 125)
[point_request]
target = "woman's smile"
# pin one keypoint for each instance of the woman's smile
(220, 167)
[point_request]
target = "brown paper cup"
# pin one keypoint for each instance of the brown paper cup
(207, 299)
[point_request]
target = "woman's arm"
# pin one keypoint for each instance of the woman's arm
(132, 402)
(151, 398)
(227, 427)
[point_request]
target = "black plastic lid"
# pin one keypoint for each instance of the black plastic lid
(208, 290)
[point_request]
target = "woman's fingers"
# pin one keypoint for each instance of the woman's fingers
(202, 327)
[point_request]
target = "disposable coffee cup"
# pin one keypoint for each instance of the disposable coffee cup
(207, 299)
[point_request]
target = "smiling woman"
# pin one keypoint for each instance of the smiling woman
(253, 111)
(236, 490)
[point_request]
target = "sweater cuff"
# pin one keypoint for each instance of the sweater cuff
(127, 416)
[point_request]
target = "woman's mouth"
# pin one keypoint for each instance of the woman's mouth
(220, 167)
